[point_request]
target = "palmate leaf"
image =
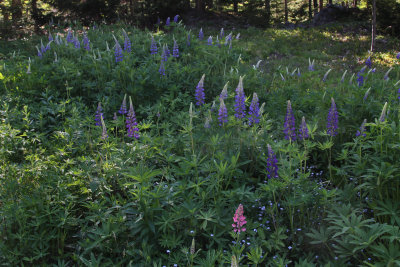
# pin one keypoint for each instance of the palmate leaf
(390, 209)
(206, 217)
(320, 237)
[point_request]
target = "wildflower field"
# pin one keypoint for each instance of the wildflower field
(199, 147)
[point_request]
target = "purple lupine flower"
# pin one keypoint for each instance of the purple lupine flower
(373, 70)
(175, 50)
(47, 48)
(222, 113)
(42, 47)
(254, 111)
(40, 54)
(164, 56)
(118, 52)
(98, 115)
(201, 34)
(303, 130)
(310, 65)
(209, 41)
(272, 167)
(176, 18)
(224, 93)
(217, 43)
(168, 22)
(50, 37)
(76, 42)
(289, 125)
(127, 44)
(86, 42)
(383, 113)
(188, 39)
(200, 96)
(398, 55)
(332, 120)
(104, 134)
(240, 98)
(228, 39)
(153, 47)
(366, 94)
(360, 79)
(368, 62)
(161, 70)
(362, 129)
(238, 36)
(398, 92)
(167, 52)
(70, 38)
(115, 117)
(123, 110)
(222, 33)
(131, 124)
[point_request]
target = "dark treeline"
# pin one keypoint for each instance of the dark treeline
(141, 12)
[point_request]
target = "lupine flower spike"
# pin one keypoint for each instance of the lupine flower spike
(201, 34)
(167, 52)
(383, 113)
(368, 62)
(118, 52)
(254, 116)
(326, 75)
(153, 47)
(176, 18)
(234, 261)
(222, 113)
(289, 125)
(366, 94)
(209, 41)
(69, 36)
(398, 92)
(310, 65)
(104, 132)
(362, 129)
(76, 42)
(50, 37)
(131, 123)
(164, 56)
(332, 120)
(303, 130)
(86, 42)
(240, 98)
(344, 75)
(200, 96)
(239, 220)
(398, 55)
(386, 77)
(224, 92)
(123, 110)
(98, 115)
(272, 167)
(127, 43)
(175, 50)
(222, 33)
(360, 79)
(168, 22)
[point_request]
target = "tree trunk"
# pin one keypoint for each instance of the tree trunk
(286, 12)
(235, 6)
(16, 9)
(315, 7)
(373, 25)
(321, 4)
(268, 10)
(310, 9)
(35, 14)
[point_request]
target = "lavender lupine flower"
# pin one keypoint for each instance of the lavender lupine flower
(240, 98)
(200, 96)
(289, 125)
(222, 33)
(161, 70)
(176, 18)
(153, 47)
(386, 76)
(217, 43)
(175, 50)
(76, 42)
(70, 38)
(48, 46)
(123, 110)
(115, 117)
(398, 55)
(254, 116)
(362, 129)
(167, 52)
(368, 62)
(42, 47)
(104, 134)
(383, 113)
(118, 53)
(50, 37)
(40, 55)
(188, 39)
(201, 34)
(366, 94)
(303, 130)
(228, 39)
(168, 22)
(272, 167)
(398, 92)
(213, 108)
(222, 113)
(360, 79)
(98, 115)
(332, 120)
(238, 36)
(326, 75)
(86, 42)
(209, 41)
(127, 44)
(131, 123)
(164, 56)
(373, 70)
(310, 65)
(224, 93)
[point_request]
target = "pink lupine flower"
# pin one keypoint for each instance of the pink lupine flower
(239, 220)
